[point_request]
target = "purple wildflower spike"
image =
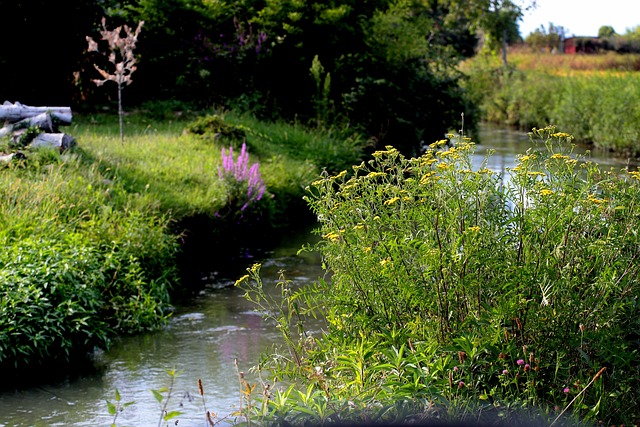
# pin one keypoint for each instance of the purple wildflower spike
(239, 171)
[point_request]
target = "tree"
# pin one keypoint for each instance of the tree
(549, 39)
(497, 20)
(121, 58)
(606, 31)
(500, 25)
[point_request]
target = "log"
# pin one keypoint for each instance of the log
(42, 121)
(16, 112)
(60, 141)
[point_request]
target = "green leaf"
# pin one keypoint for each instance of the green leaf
(111, 408)
(157, 395)
(172, 414)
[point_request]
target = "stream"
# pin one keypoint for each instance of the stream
(204, 339)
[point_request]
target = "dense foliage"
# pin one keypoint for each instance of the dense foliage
(82, 260)
(456, 286)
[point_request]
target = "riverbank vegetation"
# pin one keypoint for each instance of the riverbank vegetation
(94, 238)
(464, 295)
(593, 97)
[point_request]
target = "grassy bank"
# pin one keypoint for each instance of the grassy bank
(595, 98)
(93, 239)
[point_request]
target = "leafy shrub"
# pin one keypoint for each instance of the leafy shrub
(217, 127)
(82, 261)
(49, 300)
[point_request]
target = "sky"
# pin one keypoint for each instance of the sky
(582, 17)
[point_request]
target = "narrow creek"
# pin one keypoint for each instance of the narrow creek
(203, 339)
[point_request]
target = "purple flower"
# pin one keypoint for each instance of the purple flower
(505, 372)
(566, 390)
(455, 368)
(520, 362)
(527, 367)
(461, 384)
(239, 171)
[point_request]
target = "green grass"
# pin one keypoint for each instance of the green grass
(91, 236)
(180, 169)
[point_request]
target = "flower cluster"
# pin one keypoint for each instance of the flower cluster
(238, 172)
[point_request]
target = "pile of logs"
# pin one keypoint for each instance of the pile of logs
(35, 126)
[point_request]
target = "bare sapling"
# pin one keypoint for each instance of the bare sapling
(122, 41)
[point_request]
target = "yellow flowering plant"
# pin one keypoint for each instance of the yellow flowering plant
(454, 283)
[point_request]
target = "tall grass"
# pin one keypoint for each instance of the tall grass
(596, 108)
(568, 63)
(82, 260)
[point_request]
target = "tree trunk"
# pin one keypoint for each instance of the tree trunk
(16, 112)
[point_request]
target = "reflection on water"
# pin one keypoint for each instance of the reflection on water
(203, 339)
(505, 144)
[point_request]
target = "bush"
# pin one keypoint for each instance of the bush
(82, 261)
(478, 291)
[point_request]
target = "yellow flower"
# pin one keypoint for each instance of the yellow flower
(341, 174)
(385, 261)
(560, 156)
(545, 192)
(474, 229)
(366, 250)
(375, 174)
(450, 151)
(440, 143)
(425, 177)
(391, 201)
(332, 236)
(389, 150)
(593, 199)
(242, 279)
(561, 135)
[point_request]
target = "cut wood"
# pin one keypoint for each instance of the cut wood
(41, 121)
(16, 112)
(60, 141)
